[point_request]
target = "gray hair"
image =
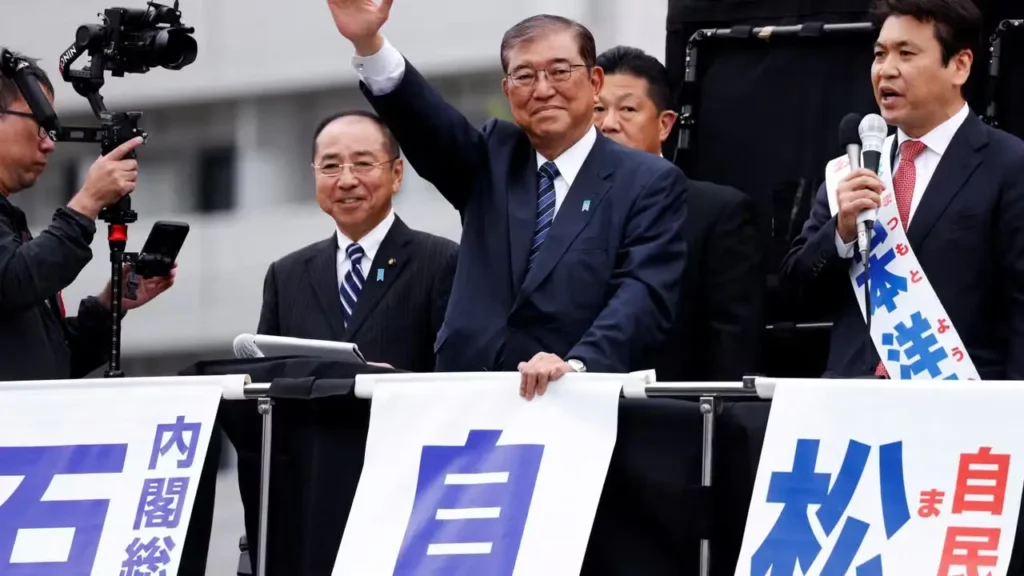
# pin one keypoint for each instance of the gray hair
(534, 26)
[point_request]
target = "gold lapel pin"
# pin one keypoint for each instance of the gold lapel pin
(391, 261)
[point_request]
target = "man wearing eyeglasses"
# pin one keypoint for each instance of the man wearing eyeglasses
(374, 282)
(37, 340)
(572, 244)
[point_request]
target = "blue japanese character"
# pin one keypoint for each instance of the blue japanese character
(920, 346)
(791, 541)
(25, 509)
(176, 431)
(470, 508)
(878, 235)
(147, 558)
(885, 286)
(161, 502)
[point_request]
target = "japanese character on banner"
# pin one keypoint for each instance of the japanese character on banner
(980, 490)
(26, 508)
(148, 558)
(181, 436)
(916, 348)
(161, 503)
(792, 542)
(885, 284)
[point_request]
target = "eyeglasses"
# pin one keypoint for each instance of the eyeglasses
(526, 78)
(333, 169)
(42, 131)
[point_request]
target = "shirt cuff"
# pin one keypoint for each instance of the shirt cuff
(844, 250)
(381, 72)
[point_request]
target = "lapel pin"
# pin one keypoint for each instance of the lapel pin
(586, 205)
(380, 274)
(391, 262)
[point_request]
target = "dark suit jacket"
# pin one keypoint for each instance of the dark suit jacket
(395, 321)
(717, 334)
(968, 235)
(36, 341)
(605, 285)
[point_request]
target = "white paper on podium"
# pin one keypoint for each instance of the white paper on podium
(428, 501)
(932, 479)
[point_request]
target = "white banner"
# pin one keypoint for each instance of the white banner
(910, 476)
(97, 477)
(464, 477)
(912, 333)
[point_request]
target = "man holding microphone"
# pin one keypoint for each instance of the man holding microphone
(958, 190)
(572, 244)
(37, 340)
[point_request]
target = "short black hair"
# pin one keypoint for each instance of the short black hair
(636, 62)
(958, 23)
(390, 141)
(531, 27)
(9, 92)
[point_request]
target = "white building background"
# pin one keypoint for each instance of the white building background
(230, 144)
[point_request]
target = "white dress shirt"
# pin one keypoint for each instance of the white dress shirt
(383, 71)
(925, 164)
(370, 244)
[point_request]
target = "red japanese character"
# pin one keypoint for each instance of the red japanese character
(887, 199)
(943, 326)
(958, 355)
(963, 548)
(981, 482)
(893, 223)
(915, 276)
(843, 164)
(930, 499)
(902, 249)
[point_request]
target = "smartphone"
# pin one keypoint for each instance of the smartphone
(161, 249)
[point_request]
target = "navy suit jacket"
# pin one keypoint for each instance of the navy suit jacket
(968, 235)
(606, 283)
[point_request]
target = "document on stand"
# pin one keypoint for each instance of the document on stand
(263, 346)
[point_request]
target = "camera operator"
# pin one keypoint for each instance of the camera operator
(37, 341)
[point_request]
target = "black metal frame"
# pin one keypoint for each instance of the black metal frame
(995, 50)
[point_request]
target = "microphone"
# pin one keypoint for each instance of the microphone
(872, 131)
(849, 138)
(28, 85)
(244, 346)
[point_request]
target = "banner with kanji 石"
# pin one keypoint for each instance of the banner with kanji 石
(98, 477)
(887, 477)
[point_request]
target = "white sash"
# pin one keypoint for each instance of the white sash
(911, 330)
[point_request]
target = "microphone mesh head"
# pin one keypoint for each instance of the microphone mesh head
(873, 131)
(848, 130)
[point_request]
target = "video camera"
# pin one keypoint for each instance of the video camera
(127, 41)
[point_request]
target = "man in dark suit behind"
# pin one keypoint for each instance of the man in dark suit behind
(962, 197)
(374, 282)
(716, 335)
(572, 244)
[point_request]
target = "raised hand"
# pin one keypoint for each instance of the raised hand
(359, 20)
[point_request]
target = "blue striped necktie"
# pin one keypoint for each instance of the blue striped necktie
(545, 207)
(352, 284)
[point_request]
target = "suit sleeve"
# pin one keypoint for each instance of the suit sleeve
(441, 145)
(269, 317)
(33, 271)
(735, 291)
(813, 271)
(1010, 216)
(442, 291)
(646, 282)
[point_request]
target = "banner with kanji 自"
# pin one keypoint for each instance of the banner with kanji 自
(887, 477)
(463, 476)
(98, 477)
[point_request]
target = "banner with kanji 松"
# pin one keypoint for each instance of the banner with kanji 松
(98, 477)
(463, 476)
(873, 477)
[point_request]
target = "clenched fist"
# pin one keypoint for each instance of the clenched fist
(108, 180)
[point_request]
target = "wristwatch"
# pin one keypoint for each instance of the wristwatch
(576, 365)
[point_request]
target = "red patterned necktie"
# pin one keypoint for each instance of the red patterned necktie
(903, 182)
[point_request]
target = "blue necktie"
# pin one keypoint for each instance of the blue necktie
(352, 284)
(545, 207)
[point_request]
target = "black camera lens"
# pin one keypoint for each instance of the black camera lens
(171, 48)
